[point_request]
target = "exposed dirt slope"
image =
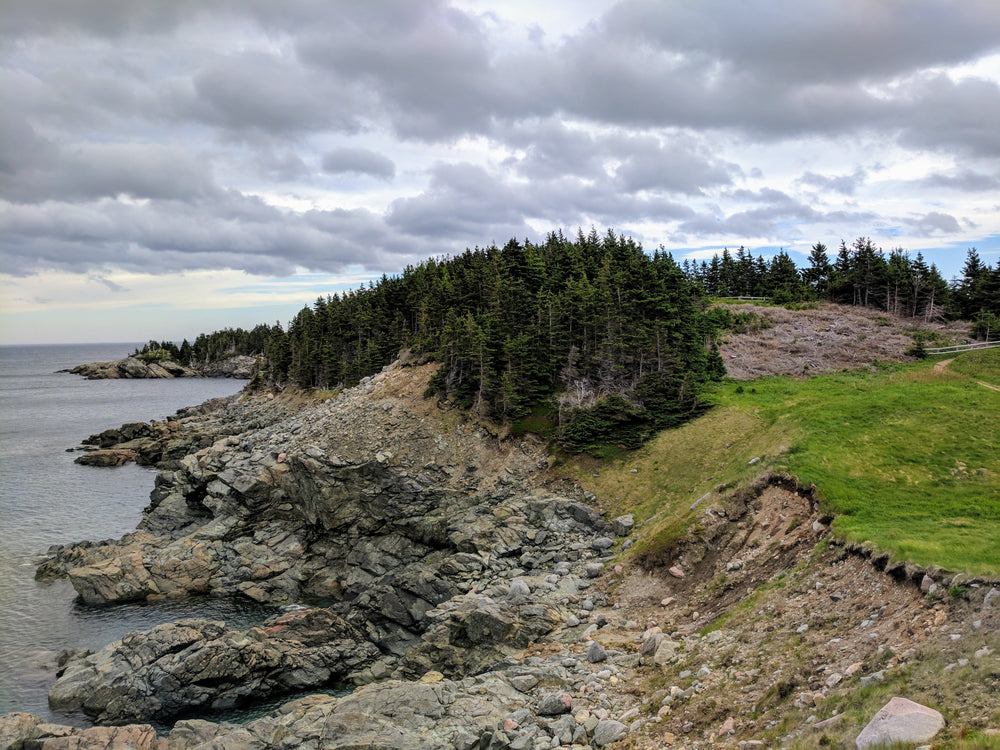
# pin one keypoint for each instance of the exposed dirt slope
(777, 628)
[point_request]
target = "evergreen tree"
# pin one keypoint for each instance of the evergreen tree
(817, 276)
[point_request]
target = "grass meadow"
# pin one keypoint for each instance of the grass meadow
(906, 457)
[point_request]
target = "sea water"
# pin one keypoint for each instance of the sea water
(47, 499)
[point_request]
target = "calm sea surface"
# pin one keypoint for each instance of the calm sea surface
(46, 499)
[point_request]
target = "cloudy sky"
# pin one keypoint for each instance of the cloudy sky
(175, 166)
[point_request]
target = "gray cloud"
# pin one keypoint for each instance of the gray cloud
(113, 286)
(777, 217)
(259, 92)
(359, 161)
(139, 135)
(828, 42)
(461, 200)
(680, 165)
(933, 223)
(966, 180)
(845, 184)
(90, 171)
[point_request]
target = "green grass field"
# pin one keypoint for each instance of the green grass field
(907, 457)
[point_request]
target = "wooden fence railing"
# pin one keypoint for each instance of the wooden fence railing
(963, 347)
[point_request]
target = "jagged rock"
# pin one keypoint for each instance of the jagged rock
(189, 664)
(553, 704)
(239, 367)
(117, 457)
(474, 632)
(393, 714)
(20, 730)
(596, 652)
(608, 731)
(666, 649)
(518, 587)
(623, 525)
(442, 569)
(900, 721)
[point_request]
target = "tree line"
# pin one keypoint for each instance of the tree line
(605, 340)
(593, 338)
(862, 275)
(212, 347)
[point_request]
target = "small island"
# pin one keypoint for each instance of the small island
(222, 354)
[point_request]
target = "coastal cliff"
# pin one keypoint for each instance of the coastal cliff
(433, 564)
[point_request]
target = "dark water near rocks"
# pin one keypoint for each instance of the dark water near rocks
(46, 499)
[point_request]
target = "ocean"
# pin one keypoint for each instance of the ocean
(47, 499)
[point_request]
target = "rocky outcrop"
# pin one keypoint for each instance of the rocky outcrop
(337, 500)
(240, 367)
(21, 730)
(425, 530)
(193, 664)
(163, 444)
(132, 367)
(500, 709)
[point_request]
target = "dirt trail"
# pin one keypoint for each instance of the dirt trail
(943, 364)
(939, 366)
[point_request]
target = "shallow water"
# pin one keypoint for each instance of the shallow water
(46, 499)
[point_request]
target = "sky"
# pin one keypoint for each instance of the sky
(172, 167)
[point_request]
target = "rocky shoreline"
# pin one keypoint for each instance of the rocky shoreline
(425, 563)
(439, 556)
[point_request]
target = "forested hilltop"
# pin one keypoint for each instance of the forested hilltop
(594, 340)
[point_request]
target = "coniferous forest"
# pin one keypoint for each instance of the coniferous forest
(593, 338)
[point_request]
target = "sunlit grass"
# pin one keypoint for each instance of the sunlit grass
(908, 458)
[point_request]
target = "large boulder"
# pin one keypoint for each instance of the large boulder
(191, 664)
(900, 721)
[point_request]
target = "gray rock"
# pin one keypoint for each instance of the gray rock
(623, 525)
(201, 664)
(991, 598)
(665, 651)
(602, 543)
(867, 680)
(596, 652)
(900, 721)
(593, 570)
(519, 587)
(553, 704)
(608, 731)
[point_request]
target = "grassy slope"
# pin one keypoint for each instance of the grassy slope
(908, 458)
